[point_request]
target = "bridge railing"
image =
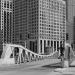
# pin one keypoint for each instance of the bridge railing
(16, 54)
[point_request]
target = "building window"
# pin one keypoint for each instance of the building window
(10, 5)
(7, 4)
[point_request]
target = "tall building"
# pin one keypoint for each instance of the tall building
(42, 23)
(70, 20)
(6, 22)
(20, 12)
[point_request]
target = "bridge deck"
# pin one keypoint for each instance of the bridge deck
(27, 65)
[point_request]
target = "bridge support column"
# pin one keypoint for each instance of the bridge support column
(42, 46)
(30, 57)
(26, 56)
(66, 57)
(50, 43)
(38, 47)
(59, 46)
(56, 45)
(53, 46)
(20, 55)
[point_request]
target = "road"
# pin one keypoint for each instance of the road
(37, 68)
(27, 70)
(52, 69)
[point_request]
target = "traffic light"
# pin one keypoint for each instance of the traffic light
(67, 36)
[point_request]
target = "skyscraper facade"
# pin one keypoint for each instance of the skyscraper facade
(70, 21)
(42, 23)
(6, 22)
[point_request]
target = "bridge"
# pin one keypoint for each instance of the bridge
(17, 54)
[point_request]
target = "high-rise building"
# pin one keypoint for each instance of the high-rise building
(42, 23)
(6, 22)
(20, 17)
(70, 20)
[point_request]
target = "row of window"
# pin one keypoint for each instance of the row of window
(50, 38)
(8, 4)
(52, 22)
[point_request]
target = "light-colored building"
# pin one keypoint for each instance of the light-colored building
(41, 22)
(51, 27)
(6, 22)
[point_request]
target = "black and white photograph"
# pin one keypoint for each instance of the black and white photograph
(37, 37)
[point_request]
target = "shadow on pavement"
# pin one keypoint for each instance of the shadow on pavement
(53, 66)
